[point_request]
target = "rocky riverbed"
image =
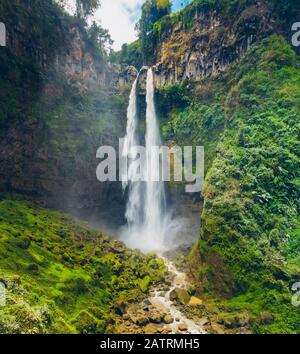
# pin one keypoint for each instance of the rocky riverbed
(172, 308)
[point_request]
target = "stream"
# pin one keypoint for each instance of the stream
(164, 304)
(158, 314)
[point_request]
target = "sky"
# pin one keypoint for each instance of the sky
(120, 17)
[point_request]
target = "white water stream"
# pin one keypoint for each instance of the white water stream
(164, 303)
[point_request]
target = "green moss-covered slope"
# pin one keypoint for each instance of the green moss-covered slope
(248, 121)
(63, 277)
(247, 250)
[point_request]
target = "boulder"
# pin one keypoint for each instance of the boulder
(195, 301)
(183, 327)
(152, 329)
(180, 295)
(156, 317)
(203, 321)
(139, 319)
(145, 283)
(168, 319)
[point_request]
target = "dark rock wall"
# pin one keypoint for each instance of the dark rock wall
(47, 153)
(214, 41)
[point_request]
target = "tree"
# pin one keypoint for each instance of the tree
(85, 8)
(152, 11)
(100, 37)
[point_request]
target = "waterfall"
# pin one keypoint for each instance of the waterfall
(134, 202)
(146, 205)
(155, 202)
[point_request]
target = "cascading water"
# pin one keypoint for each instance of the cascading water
(148, 222)
(134, 203)
(146, 207)
(155, 202)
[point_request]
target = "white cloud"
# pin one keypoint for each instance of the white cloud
(119, 17)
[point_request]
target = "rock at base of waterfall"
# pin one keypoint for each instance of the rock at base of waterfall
(195, 301)
(180, 295)
(183, 327)
(203, 321)
(139, 319)
(156, 317)
(153, 329)
(168, 319)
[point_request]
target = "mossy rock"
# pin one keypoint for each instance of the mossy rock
(145, 283)
(86, 323)
(180, 295)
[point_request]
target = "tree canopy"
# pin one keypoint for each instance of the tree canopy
(152, 11)
(86, 8)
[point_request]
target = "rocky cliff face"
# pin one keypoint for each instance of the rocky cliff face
(63, 102)
(79, 66)
(211, 43)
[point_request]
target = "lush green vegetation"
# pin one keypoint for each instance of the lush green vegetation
(250, 219)
(130, 54)
(152, 12)
(93, 113)
(63, 277)
(248, 121)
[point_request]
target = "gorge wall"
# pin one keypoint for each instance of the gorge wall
(60, 101)
(205, 38)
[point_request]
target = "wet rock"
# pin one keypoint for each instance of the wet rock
(183, 327)
(232, 321)
(117, 247)
(168, 319)
(195, 301)
(146, 305)
(147, 302)
(152, 329)
(203, 321)
(145, 283)
(180, 295)
(156, 317)
(160, 329)
(139, 319)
